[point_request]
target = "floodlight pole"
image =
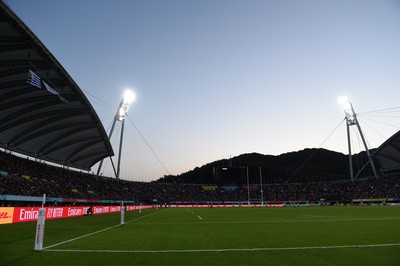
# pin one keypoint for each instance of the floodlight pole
(109, 137)
(351, 120)
(350, 156)
(120, 148)
(119, 116)
(367, 150)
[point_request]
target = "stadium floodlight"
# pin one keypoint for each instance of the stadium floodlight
(129, 96)
(348, 110)
(126, 102)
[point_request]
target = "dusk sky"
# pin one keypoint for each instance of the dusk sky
(218, 78)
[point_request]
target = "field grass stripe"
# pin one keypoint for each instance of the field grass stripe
(280, 221)
(102, 230)
(224, 250)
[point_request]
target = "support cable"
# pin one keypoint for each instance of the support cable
(148, 145)
(312, 154)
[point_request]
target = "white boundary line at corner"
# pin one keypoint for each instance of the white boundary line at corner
(224, 250)
(102, 230)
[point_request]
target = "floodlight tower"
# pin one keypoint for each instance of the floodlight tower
(351, 120)
(122, 110)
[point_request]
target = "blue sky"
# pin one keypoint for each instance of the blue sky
(218, 78)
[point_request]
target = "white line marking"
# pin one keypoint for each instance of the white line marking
(223, 250)
(193, 214)
(102, 230)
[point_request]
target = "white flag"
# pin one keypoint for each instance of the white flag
(50, 89)
(53, 91)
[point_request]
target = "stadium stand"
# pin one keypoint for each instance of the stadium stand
(25, 177)
(43, 112)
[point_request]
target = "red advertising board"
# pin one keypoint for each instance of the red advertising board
(29, 214)
(26, 214)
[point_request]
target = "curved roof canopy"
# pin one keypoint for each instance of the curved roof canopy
(388, 154)
(43, 112)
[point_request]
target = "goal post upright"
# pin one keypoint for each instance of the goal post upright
(122, 213)
(261, 191)
(40, 226)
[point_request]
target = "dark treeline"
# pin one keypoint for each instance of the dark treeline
(309, 165)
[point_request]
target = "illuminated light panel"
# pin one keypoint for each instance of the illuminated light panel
(129, 97)
(348, 110)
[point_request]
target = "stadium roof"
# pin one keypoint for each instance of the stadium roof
(43, 112)
(388, 154)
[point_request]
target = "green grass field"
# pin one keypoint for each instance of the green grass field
(230, 236)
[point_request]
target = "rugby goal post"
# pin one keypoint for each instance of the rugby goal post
(122, 213)
(40, 226)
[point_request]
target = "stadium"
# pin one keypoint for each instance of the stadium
(51, 137)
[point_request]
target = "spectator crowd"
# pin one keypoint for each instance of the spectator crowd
(26, 177)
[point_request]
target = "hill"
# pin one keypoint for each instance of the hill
(308, 165)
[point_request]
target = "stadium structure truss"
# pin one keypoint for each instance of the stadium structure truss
(388, 154)
(43, 112)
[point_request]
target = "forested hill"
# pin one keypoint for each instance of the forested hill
(307, 165)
